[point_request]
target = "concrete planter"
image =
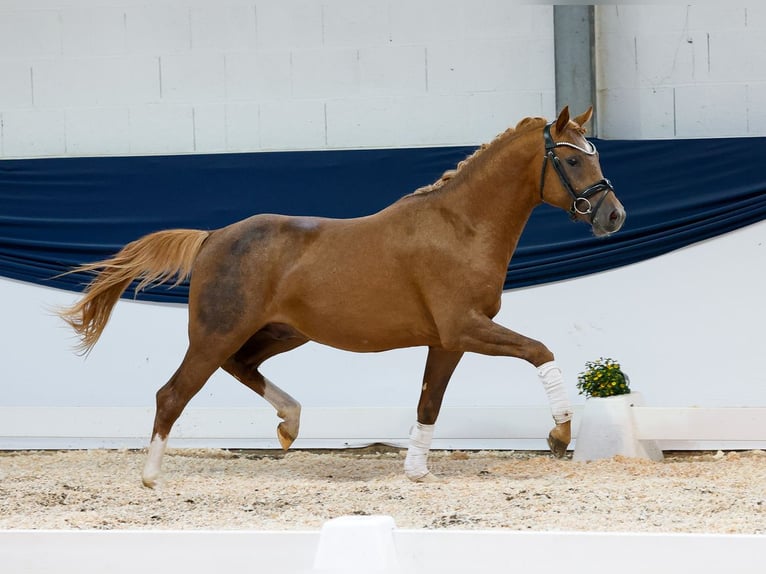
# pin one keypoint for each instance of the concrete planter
(607, 429)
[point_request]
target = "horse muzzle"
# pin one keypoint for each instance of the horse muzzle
(608, 220)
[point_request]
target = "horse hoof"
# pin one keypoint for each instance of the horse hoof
(286, 439)
(558, 447)
(149, 481)
(427, 477)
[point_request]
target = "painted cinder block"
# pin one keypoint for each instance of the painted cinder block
(756, 109)
(478, 66)
(193, 77)
(392, 70)
(93, 31)
(218, 27)
(708, 111)
(350, 23)
(263, 75)
(671, 59)
(397, 121)
(295, 24)
(500, 19)
(209, 128)
(157, 29)
(296, 124)
(637, 113)
(426, 21)
(30, 33)
(96, 81)
(737, 56)
(161, 129)
(242, 126)
(15, 84)
(98, 131)
(325, 73)
(33, 133)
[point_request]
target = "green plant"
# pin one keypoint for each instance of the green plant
(603, 378)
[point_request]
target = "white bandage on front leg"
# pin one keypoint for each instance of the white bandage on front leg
(416, 463)
(553, 383)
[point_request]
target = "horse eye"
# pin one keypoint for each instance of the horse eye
(573, 161)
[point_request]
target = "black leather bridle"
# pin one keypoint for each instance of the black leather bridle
(581, 201)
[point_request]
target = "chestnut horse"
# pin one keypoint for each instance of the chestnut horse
(270, 283)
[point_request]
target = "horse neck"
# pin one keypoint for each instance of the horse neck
(498, 193)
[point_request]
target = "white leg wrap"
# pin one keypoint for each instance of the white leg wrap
(553, 383)
(416, 463)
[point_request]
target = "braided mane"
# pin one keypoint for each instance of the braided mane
(523, 126)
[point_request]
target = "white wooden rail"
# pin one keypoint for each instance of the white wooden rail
(390, 551)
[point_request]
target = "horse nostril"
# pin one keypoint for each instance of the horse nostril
(614, 215)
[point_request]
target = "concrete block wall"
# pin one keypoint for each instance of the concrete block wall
(121, 77)
(675, 71)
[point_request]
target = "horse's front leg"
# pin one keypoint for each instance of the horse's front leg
(479, 334)
(440, 365)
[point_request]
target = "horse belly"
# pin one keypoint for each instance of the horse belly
(362, 318)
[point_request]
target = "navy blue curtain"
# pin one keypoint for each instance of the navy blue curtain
(58, 213)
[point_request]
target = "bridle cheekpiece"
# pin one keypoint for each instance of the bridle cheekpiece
(581, 201)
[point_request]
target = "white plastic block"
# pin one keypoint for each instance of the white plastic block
(93, 31)
(264, 75)
(607, 429)
(356, 544)
(296, 24)
(217, 27)
(296, 124)
(161, 129)
(98, 131)
(193, 78)
(33, 133)
(349, 23)
(96, 81)
(392, 70)
(16, 82)
(158, 28)
(30, 33)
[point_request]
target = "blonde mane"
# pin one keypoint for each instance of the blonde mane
(523, 126)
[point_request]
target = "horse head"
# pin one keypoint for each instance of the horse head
(574, 181)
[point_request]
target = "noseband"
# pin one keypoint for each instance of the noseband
(581, 203)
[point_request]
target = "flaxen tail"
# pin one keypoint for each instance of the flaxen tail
(154, 259)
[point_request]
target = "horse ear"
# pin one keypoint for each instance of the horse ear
(584, 118)
(562, 120)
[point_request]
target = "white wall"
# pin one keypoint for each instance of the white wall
(681, 71)
(99, 77)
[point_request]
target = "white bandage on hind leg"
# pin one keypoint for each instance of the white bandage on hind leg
(553, 383)
(416, 463)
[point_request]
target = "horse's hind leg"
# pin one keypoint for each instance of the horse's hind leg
(440, 365)
(172, 398)
(243, 366)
